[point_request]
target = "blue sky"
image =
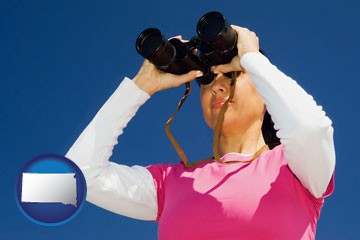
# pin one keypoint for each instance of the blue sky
(61, 60)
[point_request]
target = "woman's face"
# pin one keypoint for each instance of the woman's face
(243, 111)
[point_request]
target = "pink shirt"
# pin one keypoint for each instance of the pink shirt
(258, 200)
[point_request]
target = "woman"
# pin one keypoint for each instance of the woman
(257, 194)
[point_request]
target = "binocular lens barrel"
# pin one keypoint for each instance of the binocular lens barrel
(214, 29)
(210, 25)
(152, 45)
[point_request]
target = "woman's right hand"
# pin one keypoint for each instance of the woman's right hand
(247, 42)
(151, 80)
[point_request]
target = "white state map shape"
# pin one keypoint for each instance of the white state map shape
(49, 188)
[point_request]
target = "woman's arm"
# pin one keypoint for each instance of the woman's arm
(128, 191)
(303, 127)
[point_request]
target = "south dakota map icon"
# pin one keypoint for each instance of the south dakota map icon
(51, 190)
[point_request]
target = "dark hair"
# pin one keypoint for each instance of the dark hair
(269, 132)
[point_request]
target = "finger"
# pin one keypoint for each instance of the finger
(195, 51)
(241, 29)
(238, 27)
(178, 37)
(187, 77)
(224, 68)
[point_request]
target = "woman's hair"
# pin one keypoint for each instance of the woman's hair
(269, 132)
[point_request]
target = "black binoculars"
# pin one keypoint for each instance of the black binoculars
(214, 44)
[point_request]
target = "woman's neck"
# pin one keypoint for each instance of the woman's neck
(245, 143)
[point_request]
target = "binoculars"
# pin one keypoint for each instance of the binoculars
(214, 44)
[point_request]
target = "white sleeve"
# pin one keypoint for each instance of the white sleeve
(303, 128)
(128, 191)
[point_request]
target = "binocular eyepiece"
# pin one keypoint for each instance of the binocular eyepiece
(214, 44)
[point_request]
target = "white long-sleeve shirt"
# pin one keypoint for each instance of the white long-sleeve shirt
(303, 129)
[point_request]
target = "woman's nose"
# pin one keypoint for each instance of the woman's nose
(220, 85)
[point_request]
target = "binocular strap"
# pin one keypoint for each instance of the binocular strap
(172, 139)
(221, 117)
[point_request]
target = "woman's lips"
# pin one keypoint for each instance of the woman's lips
(219, 103)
